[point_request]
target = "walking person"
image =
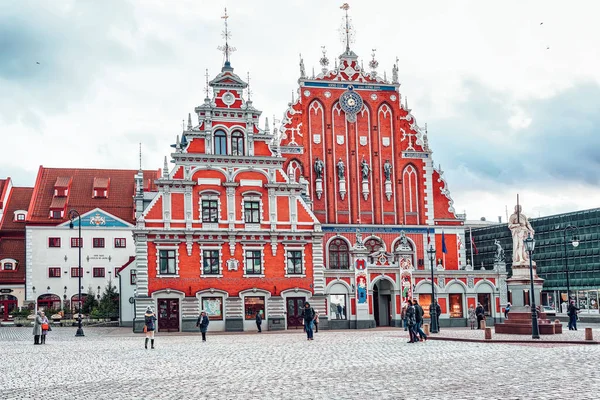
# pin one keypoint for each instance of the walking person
(37, 328)
(506, 310)
(316, 320)
(572, 312)
(258, 321)
(308, 314)
(403, 316)
(411, 321)
(202, 323)
(419, 319)
(472, 317)
(480, 313)
(45, 328)
(149, 326)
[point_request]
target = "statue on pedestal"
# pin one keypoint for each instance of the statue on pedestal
(520, 228)
(499, 256)
(319, 165)
(341, 169)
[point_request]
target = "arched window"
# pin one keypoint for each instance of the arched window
(49, 302)
(339, 257)
(220, 143)
(374, 244)
(294, 171)
(411, 195)
(237, 144)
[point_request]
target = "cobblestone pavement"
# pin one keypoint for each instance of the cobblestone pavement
(566, 336)
(111, 363)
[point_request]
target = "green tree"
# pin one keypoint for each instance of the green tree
(89, 303)
(109, 303)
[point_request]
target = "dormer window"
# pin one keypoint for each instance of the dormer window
(61, 186)
(237, 143)
(8, 264)
(61, 192)
(20, 215)
(56, 214)
(220, 143)
(101, 188)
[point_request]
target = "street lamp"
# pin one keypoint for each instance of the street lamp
(72, 215)
(535, 330)
(432, 308)
(575, 243)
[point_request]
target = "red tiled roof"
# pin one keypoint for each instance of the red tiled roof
(101, 183)
(19, 200)
(80, 197)
(62, 182)
(15, 249)
(58, 203)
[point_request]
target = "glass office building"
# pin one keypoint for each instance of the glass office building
(554, 254)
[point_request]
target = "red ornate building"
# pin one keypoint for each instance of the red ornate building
(367, 166)
(228, 232)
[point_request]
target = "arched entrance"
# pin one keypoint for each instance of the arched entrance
(383, 292)
(48, 302)
(8, 304)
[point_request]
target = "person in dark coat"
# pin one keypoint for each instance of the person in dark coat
(37, 328)
(149, 326)
(258, 321)
(572, 312)
(480, 313)
(202, 323)
(419, 319)
(506, 310)
(411, 321)
(308, 314)
(438, 312)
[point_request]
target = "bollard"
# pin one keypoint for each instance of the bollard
(488, 333)
(426, 329)
(483, 324)
(588, 334)
(557, 321)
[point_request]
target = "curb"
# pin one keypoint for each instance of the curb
(514, 341)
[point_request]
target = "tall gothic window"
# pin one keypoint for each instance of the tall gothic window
(339, 257)
(237, 144)
(411, 195)
(220, 143)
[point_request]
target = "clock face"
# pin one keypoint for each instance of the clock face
(351, 102)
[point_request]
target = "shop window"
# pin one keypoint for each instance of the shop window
(337, 306)
(456, 305)
(167, 262)
(54, 242)
(253, 262)
(294, 262)
(120, 243)
(98, 243)
(210, 211)
(210, 262)
(486, 301)
(98, 272)
(213, 307)
(252, 212)
(425, 302)
(76, 272)
(54, 272)
(339, 256)
(252, 305)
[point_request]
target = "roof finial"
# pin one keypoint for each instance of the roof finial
(324, 61)
(207, 87)
(227, 49)
(189, 127)
(182, 125)
(302, 70)
(292, 97)
(373, 64)
(395, 72)
(140, 156)
(406, 103)
(166, 169)
(267, 128)
(347, 29)
(248, 88)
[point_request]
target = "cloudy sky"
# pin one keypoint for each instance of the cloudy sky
(510, 90)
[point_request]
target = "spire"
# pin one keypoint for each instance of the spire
(347, 32)
(347, 28)
(166, 169)
(189, 127)
(207, 88)
(248, 88)
(267, 129)
(226, 49)
(140, 156)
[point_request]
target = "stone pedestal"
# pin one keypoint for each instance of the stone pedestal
(520, 282)
(519, 323)
(319, 187)
(342, 188)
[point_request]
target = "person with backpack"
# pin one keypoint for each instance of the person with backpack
(308, 315)
(419, 320)
(202, 323)
(572, 312)
(480, 313)
(149, 326)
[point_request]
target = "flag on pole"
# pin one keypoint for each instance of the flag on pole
(474, 247)
(444, 249)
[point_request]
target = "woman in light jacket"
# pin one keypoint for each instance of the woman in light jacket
(37, 328)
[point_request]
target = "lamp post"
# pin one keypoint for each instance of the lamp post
(575, 243)
(432, 308)
(72, 215)
(535, 330)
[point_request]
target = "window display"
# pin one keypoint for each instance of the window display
(486, 301)
(252, 305)
(425, 302)
(456, 305)
(337, 306)
(213, 307)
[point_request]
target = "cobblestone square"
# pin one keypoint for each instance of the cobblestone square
(111, 363)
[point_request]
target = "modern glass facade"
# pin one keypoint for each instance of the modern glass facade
(554, 253)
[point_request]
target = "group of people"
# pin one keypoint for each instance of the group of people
(41, 327)
(412, 316)
(478, 314)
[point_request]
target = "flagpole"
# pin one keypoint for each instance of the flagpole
(471, 237)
